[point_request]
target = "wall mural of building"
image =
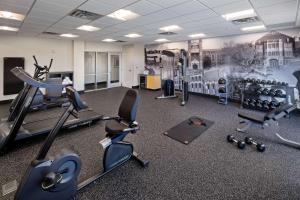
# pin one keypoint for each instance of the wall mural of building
(266, 56)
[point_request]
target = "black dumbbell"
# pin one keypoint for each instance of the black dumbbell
(246, 102)
(272, 92)
(278, 93)
(248, 80)
(269, 82)
(274, 82)
(266, 105)
(273, 104)
(257, 81)
(259, 91)
(252, 102)
(263, 82)
(259, 146)
(265, 91)
(232, 139)
(259, 103)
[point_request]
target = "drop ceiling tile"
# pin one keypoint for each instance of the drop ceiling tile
(264, 3)
(144, 7)
(59, 30)
(278, 13)
(15, 8)
(65, 3)
(121, 3)
(99, 7)
(188, 7)
(201, 15)
(105, 22)
(168, 3)
(287, 7)
(233, 7)
(216, 3)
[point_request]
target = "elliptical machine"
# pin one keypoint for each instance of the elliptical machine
(57, 178)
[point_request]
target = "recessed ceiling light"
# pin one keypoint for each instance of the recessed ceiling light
(109, 40)
(133, 35)
(69, 35)
(170, 28)
(8, 28)
(123, 15)
(161, 40)
(88, 28)
(239, 15)
(254, 28)
(197, 35)
(11, 15)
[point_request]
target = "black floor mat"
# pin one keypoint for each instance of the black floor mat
(188, 130)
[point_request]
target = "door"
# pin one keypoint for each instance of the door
(90, 71)
(114, 69)
(102, 70)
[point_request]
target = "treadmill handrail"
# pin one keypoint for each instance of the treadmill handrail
(24, 76)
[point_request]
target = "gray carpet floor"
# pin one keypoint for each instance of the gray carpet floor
(208, 168)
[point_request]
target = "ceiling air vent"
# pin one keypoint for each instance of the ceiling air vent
(120, 41)
(167, 33)
(82, 14)
(50, 33)
(247, 20)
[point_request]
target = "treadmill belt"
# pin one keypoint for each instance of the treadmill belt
(45, 126)
(43, 115)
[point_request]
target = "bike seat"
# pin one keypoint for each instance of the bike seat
(114, 127)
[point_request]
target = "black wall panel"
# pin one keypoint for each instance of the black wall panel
(11, 84)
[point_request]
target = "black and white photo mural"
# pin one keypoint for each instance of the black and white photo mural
(273, 56)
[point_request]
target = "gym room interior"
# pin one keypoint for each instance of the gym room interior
(149, 99)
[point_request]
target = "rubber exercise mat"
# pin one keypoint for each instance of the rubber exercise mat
(188, 130)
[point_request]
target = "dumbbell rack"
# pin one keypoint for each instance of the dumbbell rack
(266, 85)
(223, 97)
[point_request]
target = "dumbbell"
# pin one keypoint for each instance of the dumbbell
(278, 93)
(263, 82)
(259, 146)
(259, 91)
(266, 104)
(252, 103)
(269, 82)
(240, 144)
(246, 102)
(248, 80)
(265, 91)
(273, 104)
(274, 82)
(259, 103)
(272, 92)
(257, 81)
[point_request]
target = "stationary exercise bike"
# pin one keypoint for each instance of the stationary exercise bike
(57, 178)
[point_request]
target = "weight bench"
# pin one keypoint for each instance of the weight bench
(268, 119)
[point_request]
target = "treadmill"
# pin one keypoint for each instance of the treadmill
(12, 131)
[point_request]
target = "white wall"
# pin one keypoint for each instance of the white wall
(78, 52)
(68, 55)
(103, 47)
(43, 49)
(133, 63)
